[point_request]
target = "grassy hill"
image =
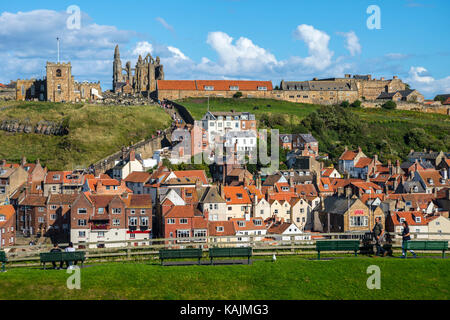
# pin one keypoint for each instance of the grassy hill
(289, 278)
(389, 133)
(94, 131)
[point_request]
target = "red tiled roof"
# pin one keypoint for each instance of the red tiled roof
(224, 85)
(363, 162)
(249, 224)
(348, 155)
(176, 85)
(7, 211)
(182, 212)
(228, 228)
(138, 177)
(409, 217)
(232, 198)
(192, 173)
(327, 172)
(305, 190)
(219, 85)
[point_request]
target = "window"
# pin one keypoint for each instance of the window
(170, 221)
(116, 211)
(41, 209)
(216, 206)
(262, 88)
(241, 224)
(53, 217)
(359, 221)
(183, 221)
(58, 73)
(132, 211)
(418, 219)
(209, 88)
(234, 88)
(41, 220)
(142, 211)
(81, 234)
(53, 207)
(82, 211)
(101, 234)
(132, 221)
(101, 210)
(59, 87)
(219, 229)
(230, 208)
(199, 233)
(183, 233)
(116, 222)
(257, 222)
(144, 221)
(275, 211)
(81, 222)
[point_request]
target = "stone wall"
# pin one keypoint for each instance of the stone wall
(411, 106)
(145, 147)
(42, 127)
(181, 94)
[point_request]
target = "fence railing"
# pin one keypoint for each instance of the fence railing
(287, 244)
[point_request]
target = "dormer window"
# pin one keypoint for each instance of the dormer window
(234, 88)
(241, 224)
(257, 222)
(239, 195)
(209, 88)
(418, 219)
(219, 229)
(262, 88)
(402, 220)
(56, 177)
(430, 182)
(2, 218)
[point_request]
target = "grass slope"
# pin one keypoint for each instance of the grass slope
(389, 133)
(94, 132)
(289, 278)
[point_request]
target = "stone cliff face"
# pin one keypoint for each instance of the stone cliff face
(42, 127)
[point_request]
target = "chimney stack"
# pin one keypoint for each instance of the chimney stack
(23, 162)
(132, 155)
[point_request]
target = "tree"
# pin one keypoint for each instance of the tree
(389, 105)
(237, 95)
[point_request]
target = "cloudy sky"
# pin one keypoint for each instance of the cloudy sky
(232, 39)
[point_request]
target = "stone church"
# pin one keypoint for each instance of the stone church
(141, 79)
(58, 86)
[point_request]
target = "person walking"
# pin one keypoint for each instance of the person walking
(56, 248)
(378, 233)
(406, 236)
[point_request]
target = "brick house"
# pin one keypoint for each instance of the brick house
(349, 159)
(136, 181)
(64, 182)
(32, 216)
(342, 214)
(58, 213)
(11, 178)
(7, 226)
(104, 185)
(184, 222)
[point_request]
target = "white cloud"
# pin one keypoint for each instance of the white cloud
(317, 42)
(165, 24)
(420, 79)
(177, 54)
(142, 48)
(237, 58)
(351, 42)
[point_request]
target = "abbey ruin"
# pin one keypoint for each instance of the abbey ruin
(141, 79)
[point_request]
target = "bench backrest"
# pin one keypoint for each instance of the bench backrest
(427, 245)
(180, 253)
(2, 256)
(62, 256)
(231, 252)
(337, 245)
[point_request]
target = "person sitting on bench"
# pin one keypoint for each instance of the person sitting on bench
(70, 248)
(56, 249)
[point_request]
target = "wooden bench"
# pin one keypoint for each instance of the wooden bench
(230, 253)
(63, 257)
(427, 245)
(165, 254)
(3, 260)
(337, 245)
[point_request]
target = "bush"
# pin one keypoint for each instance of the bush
(390, 105)
(237, 95)
(356, 104)
(345, 104)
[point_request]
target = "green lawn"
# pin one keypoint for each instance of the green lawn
(95, 132)
(289, 278)
(198, 107)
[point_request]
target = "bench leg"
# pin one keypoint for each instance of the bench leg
(318, 255)
(3, 267)
(44, 266)
(211, 260)
(248, 262)
(356, 253)
(199, 263)
(162, 262)
(443, 254)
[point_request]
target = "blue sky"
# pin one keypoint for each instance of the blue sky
(233, 39)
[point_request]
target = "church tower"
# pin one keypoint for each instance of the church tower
(117, 66)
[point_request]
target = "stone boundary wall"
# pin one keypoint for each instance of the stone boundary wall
(410, 106)
(144, 147)
(183, 112)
